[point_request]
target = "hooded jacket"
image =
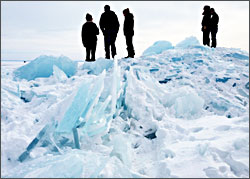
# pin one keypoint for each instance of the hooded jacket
(128, 27)
(89, 32)
(214, 21)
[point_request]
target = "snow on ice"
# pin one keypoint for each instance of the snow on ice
(178, 111)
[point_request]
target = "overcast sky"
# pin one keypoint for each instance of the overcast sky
(30, 29)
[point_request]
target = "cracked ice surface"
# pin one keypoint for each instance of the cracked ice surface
(180, 112)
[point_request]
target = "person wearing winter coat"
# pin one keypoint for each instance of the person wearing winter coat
(109, 25)
(89, 37)
(128, 30)
(206, 25)
(214, 26)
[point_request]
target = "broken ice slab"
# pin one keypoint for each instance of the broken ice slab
(43, 67)
(76, 138)
(93, 96)
(157, 48)
(237, 55)
(34, 142)
(59, 74)
(98, 66)
(74, 111)
(87, 95)
(188, 42)
(99, 120)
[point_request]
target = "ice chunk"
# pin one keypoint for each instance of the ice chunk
(121, 149)
(72, 164)
(43, 67)
(27, 96)
(82, 104)
(98, 66)
(238, 56)
(157, 48)
(59, 74)
(189, 41)
(185, 102)
(33, 143)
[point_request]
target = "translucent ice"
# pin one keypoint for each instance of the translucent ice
(190, 41)
(98, 66)
(82, 104)
(59, 74)
(157, 48)
(43, 67)
(185, 102)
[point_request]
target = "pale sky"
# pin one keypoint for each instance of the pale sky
(30, 29)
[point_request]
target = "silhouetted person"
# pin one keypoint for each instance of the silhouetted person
(214, 26)
(109, 25)
(206, 25)
(89, 39)
(128, 29)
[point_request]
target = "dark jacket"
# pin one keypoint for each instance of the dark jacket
(206, 20)
(109, 22)
(89, 32)
(214, 21)
(128, 27)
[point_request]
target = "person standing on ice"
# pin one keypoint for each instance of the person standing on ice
(109, 25)
(89, 39)
(214, 26)
(128, 29)
(206, 25)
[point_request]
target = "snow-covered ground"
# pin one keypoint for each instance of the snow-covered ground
(180, 111)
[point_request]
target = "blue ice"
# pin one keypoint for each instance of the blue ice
(157, 48)
(98, 66)
(190, 41)
(223, 80)
(237, 55)
(82, 104)
(43, 67)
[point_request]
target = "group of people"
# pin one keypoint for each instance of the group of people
(109, 26)
(209, 25)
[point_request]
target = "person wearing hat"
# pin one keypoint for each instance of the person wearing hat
(206, 25)
(214, 26)
(128, 29)
(89, 37)
(109, 25)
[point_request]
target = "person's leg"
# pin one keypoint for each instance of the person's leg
(107, 45)
(93, 52)
(113, 48)
(206, 39)
(213, 33)
(130, 47)
(87, 53)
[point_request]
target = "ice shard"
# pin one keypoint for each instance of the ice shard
(82, 104)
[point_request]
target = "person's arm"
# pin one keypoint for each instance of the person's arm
(97, 30)
(117, 23)
(101, 24)
(83, 34)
